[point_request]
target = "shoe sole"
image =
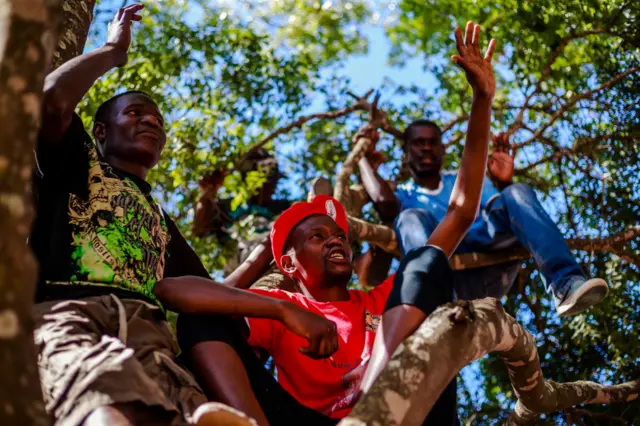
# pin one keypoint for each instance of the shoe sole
(590, 297)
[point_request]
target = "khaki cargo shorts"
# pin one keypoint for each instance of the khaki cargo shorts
(100, 351)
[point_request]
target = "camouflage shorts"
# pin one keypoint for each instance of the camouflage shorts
(100, 351)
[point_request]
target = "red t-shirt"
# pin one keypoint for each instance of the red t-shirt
(319, 384)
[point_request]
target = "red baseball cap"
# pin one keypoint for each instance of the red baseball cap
(322, 204)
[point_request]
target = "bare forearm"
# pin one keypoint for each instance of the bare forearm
(65, 87)
(252, 268)
(196, 295)
(467, 191)
(379, 190)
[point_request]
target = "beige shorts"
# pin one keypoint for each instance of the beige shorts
(100, 351)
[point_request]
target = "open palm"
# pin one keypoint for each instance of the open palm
(501, 160)
(476, 67)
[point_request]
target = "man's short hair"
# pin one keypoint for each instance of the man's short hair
(418, 123)
(106, 108)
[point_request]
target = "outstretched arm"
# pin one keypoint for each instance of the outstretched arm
(379, 190)
(467, 191)
(401, 320)
(65, 87)
(196, 295)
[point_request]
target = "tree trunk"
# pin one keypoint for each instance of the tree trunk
(76, 19)
(453, 337)
(25, 46)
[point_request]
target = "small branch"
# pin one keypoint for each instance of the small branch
(609, 244)
(563, 186)
(575, 99)
(383, 121)
(547, 71)
(453, 122)
(360, 104)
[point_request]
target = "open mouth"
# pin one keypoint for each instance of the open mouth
(338, 256)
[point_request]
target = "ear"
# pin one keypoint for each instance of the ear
(287, 264)
(99, 131)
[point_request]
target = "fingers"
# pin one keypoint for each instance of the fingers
(129, 13)
(459, 43)
(312, 350)
(460, 61)
(468, 34)
(476, 39)
(492, 45)
(514, 150)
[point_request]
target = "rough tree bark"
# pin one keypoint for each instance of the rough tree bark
(26, 40)
(76, 18)
(451, 338)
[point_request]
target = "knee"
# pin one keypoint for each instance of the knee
(411, 217)
(519, 193)
(427, 270)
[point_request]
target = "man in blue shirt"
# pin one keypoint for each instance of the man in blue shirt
(509, 213)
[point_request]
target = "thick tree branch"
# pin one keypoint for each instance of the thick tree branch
(76, 16)
(341, 190)
(453, 337)
(28, 31)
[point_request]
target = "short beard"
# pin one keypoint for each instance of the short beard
(425, 173)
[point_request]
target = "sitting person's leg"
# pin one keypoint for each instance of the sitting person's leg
(230, 372)
(423, 282)
(519, 211)
(413, 227)
(91, 376)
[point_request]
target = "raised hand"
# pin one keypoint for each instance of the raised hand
(500, 162)
(369, 132)
(319, 332)
(477, 68)
(119, 30)
(213, 181)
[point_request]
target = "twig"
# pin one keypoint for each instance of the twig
(575, 99)
(360, 104)
(545, 73)
(449, 125)
(563, 186)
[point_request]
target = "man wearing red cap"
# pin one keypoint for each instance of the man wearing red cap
(323, 344)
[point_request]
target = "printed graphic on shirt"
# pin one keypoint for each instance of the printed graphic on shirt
(371, 321)
(119, 235)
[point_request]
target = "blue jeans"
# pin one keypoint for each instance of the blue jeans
(514, 215)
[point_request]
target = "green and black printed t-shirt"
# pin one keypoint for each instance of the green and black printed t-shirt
(98, 229)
